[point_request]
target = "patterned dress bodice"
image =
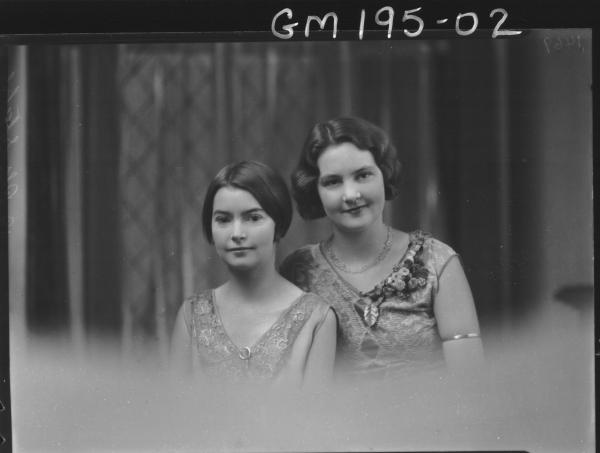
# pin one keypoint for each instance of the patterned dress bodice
(217, 355)
(404, 337)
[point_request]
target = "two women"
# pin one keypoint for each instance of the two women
(402, 301)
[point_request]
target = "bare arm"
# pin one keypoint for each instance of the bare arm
(319, 365)
(455, 313)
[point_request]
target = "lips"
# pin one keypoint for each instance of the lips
(354, 209)
(239, 249)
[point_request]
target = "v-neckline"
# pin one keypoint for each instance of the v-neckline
(411, 238)
(251, 348)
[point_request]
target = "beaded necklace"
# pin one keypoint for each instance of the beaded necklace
(341, 266)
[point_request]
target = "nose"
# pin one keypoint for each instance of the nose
(237, 234)
(351, 194)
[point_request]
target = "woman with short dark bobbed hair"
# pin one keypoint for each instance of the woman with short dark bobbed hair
(257, 326)
(260, 181)
(402, 300)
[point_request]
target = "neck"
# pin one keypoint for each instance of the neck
(360, 244)
(253, 284)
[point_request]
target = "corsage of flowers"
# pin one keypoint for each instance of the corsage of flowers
(407, 276)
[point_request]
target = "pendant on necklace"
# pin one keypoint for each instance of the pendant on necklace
(371, 314)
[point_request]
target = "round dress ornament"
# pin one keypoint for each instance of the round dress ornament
(245, 353)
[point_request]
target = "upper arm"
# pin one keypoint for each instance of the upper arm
(320, 361)
(454, 307)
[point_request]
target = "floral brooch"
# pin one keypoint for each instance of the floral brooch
(407, 276)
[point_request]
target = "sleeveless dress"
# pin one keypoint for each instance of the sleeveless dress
(281, 352)
(391, 330)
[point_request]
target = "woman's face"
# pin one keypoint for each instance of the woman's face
(350, 186)
(243, 233)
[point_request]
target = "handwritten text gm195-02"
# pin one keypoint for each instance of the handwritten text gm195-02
(465, 24)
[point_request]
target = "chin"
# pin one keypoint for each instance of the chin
(241, 267)
(355, 224)
(246, 263)
(238, 262)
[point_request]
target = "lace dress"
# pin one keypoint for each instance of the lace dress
(390, 330)
(282, 351)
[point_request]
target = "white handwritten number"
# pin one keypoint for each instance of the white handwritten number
(408, 15)
(362, 24)
(389, 21)
(461, 32)
(497, 31)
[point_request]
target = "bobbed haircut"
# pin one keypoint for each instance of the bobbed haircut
(362, 134)
(262, 182)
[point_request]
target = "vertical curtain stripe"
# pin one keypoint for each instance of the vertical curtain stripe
(73, 189)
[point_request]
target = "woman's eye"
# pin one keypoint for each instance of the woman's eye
(329, 182)
(253, 216)
(220, 219)
(363, 175)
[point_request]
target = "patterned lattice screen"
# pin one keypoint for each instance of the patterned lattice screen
(186, 111)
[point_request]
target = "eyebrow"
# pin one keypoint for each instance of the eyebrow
(366, 167)
(249, 211)
(358, 170)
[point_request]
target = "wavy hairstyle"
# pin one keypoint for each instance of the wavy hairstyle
(362, 134)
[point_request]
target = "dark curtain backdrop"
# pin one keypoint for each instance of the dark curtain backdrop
(73, 240)
(124, 139)
(47, 306)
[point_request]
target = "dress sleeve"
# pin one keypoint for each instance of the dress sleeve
(318, 371)
(440, 255)
(181, 340)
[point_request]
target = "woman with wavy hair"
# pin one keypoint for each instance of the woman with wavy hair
(402, 300)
